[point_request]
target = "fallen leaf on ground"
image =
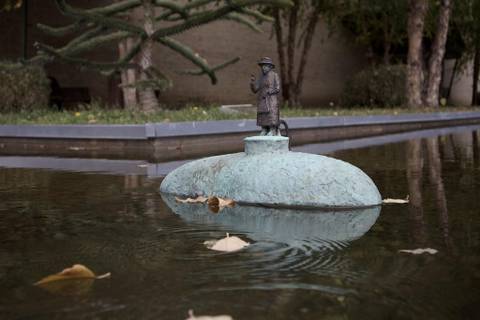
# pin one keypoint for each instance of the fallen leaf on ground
(192, 317)
(199, 199)
(227, 244)
(420, 251)
(217, 204)
(77, 271)
(71, 281)
(399, 201)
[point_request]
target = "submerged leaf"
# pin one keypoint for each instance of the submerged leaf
(420, 251)
(227, 244)
(221, 317)
(199, 199)
(398, 201)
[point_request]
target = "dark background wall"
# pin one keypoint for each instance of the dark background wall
(331, 61)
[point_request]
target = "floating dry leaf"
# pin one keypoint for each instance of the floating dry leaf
(73, 287)
(227, 244)
(420, 251)
(79, 277)
(216, 204)
(77, 271)
(199, 199)
(398, 201)
(221, 317)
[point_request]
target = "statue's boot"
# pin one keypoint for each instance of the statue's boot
(264, 131)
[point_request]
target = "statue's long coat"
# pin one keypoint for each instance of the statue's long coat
(267, 88)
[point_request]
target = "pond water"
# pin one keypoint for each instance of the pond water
(300, 265)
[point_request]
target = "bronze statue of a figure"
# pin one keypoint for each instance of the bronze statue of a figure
(267, 88)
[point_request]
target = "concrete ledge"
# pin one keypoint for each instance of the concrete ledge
(87, 131)
(154, 170)
(195, 128)
(171, 141)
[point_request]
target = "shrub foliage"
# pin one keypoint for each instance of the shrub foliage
(23, 87)
(378, 86)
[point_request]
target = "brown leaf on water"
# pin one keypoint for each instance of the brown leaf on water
(396, 201)
(227, 244)
(199, 199)
(75, 280)
(221, 317)
(420, 251)
(72, 287)
(216, 204)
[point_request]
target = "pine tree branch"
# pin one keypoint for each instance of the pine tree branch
(189, 6)
(62, 31)
(93, 43)
(101, 20)
(257, 15)
(212, 15)
(172, 6)
(102, 66)
(83, 37)
(115, 7)
(189, 54)
(242, 20)
(214, 69)
(80, 23)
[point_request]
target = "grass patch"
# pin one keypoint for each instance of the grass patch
(97, 115)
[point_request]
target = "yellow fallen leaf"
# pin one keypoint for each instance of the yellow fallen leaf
(76, 280)
(199, 199)
(77, 271)
(221, 317)
(73, 287)
(217, 204)
(398, 201)
(420, 251)
(227, 244)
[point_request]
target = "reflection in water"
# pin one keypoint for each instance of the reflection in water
(461, 147)
(301, 265)
(414, 176)
(435, 175)
(301, 239)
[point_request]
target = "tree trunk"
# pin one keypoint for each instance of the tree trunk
(307, 44)
(416, 22)
(128, 77)
(147, 97)
(281, 53)
(452, 78)
(438, 52)
(476, 71)
(292, 39)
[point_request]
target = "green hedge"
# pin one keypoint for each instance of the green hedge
(379, 86)
(23, 87)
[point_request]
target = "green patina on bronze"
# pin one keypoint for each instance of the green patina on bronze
(267, 173)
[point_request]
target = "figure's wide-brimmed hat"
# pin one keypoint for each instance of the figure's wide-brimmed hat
(266, 60)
